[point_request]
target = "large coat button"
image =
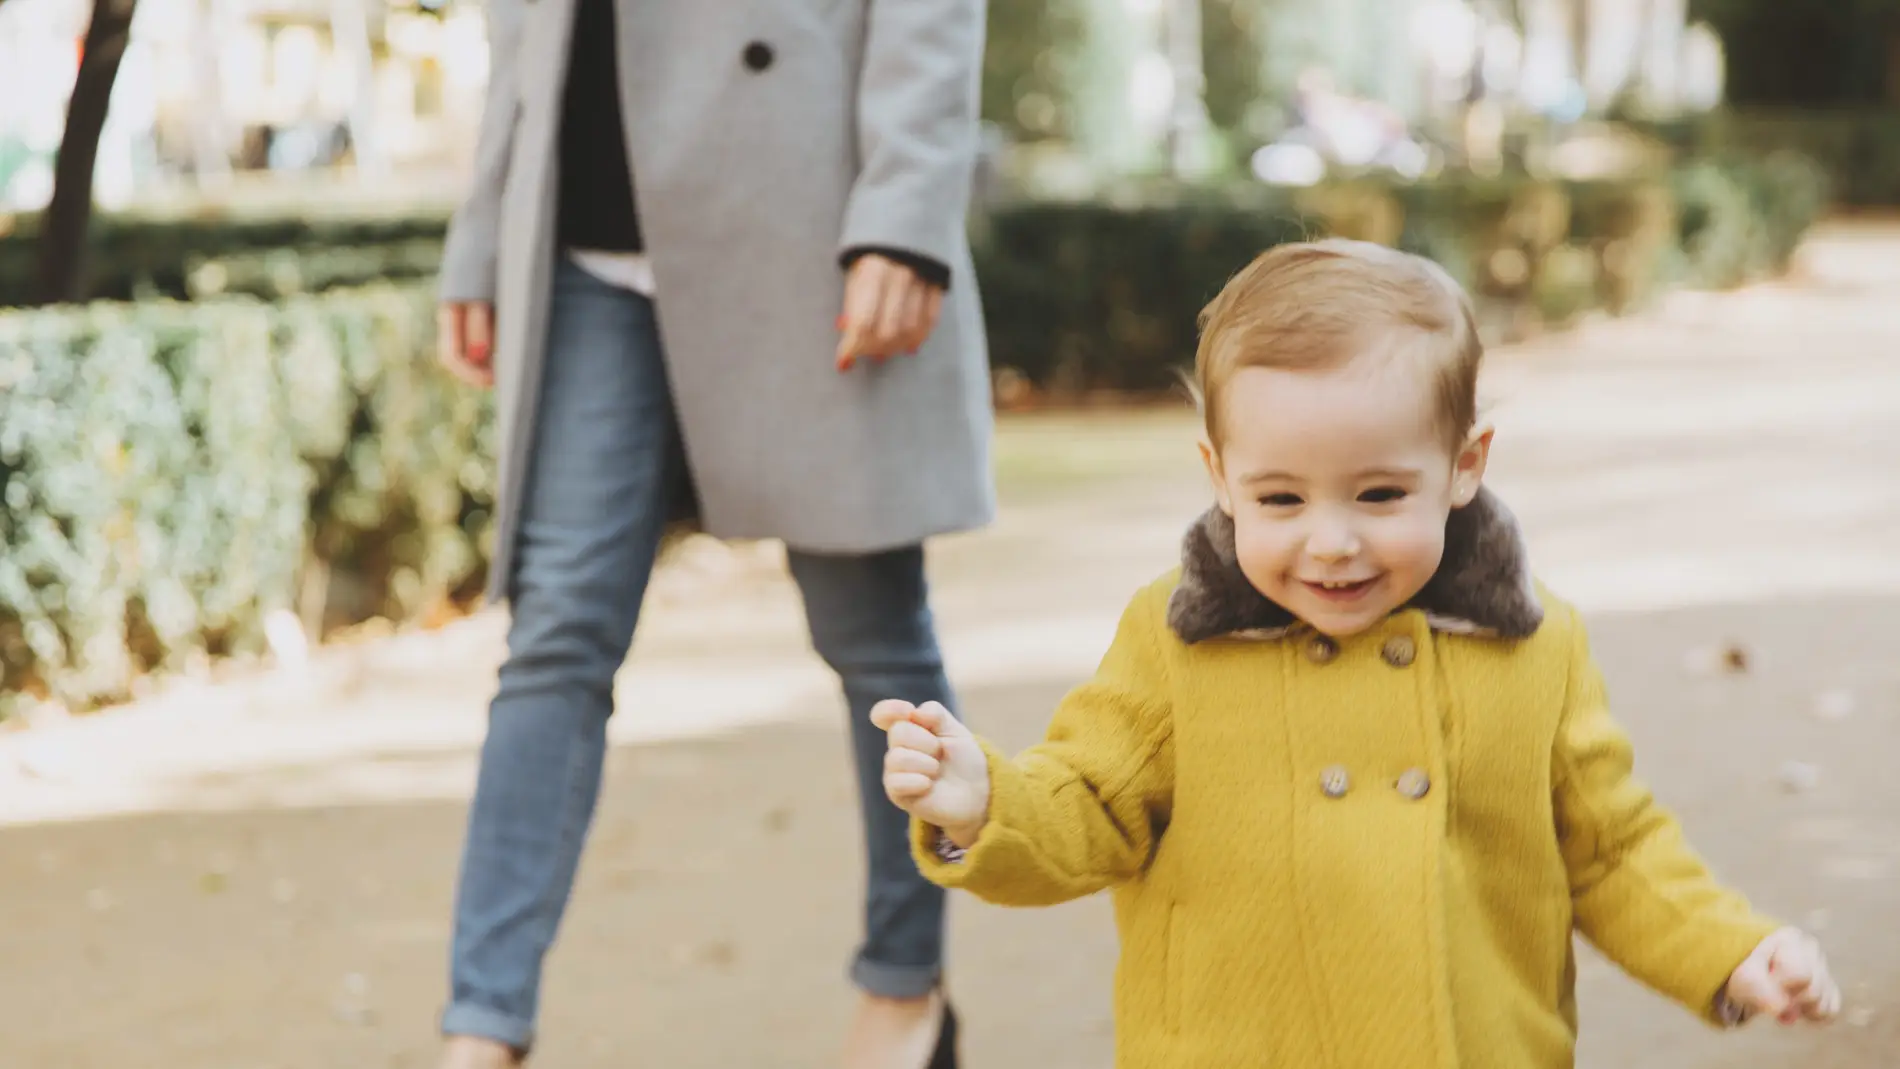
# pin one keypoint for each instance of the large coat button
(1321, 650)
(1414, 783)
(758, 56)
(1335, 782)
(1399, 651)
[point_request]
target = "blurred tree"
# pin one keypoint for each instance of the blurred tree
(1188, 142)
(62, 240)
(1233, 63)
(1808, 54)
(1031, 67)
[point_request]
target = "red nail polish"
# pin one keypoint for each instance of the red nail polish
(844, 365)
(840, 323)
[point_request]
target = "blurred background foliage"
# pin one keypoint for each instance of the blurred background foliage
(238, 413)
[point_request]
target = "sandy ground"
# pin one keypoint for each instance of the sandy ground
(257, 876)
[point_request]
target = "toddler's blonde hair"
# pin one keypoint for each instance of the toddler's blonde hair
(1320, 305)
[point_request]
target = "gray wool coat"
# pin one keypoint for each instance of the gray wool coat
(766, 137)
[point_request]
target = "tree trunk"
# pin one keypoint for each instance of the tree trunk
(62, 245)
(1187, 119)
(1580, 22)
(1893, 64)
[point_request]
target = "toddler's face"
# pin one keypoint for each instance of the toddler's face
(1339, 483)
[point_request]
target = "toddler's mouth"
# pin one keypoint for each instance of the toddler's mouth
(1339, 590)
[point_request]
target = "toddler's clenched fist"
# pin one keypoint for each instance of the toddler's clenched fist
(1786, 977)
(934, 769)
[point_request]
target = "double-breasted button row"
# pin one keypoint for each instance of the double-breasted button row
(1336, 782)
(1399, 651)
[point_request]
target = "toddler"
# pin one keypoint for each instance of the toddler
(1348, 768)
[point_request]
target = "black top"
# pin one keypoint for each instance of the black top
(595, 207)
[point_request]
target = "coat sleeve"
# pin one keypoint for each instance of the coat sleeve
(1640, 894)
(917, 127)
(469, 250)
(1079, 811)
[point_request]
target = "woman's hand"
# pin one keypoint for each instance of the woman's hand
(464, 340)
(888, 310)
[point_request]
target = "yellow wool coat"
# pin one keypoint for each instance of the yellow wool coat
(1363, 854)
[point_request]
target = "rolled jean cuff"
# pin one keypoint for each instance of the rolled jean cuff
(463, 1019)
(895, 981)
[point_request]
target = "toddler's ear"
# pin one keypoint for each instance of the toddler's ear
(1211, 458)
(1467, 473)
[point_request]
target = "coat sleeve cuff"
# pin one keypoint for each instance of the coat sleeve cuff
(468, 271)
(997, 847)
(1704, 976)
(929, 268)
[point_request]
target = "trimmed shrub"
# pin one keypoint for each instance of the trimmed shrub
(169, 471)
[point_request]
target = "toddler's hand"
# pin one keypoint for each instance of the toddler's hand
(1786, 976)
(934, 769)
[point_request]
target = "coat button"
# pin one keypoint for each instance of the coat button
(1334, 781)
(758, 55)
(1399, 651)
(1320, 649)
(1414, 783)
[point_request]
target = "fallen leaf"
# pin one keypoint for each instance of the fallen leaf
(717, 954)
(778, 819)
(213, 883)
(1724, 658)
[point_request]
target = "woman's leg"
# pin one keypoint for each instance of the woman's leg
(870, 620)
(605, 459)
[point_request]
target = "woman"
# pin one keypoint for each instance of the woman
(753, 171)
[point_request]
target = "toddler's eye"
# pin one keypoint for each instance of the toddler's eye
(1280, 501)
(1383, 495)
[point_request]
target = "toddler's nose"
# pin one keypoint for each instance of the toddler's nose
(1332, 543)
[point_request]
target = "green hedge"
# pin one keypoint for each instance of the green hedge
(1857, 148)
(169, 471)
(137, 257)
(277, 273)
(1104, 295)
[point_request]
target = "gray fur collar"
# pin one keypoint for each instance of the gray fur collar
(1483, 586)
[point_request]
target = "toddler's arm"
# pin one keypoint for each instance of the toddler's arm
(1068, 817)
(1639, 892)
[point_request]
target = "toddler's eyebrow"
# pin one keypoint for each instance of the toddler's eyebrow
(1369, 473)
(1270, 477)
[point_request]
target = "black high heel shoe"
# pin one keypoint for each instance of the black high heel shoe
(945, 1056)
